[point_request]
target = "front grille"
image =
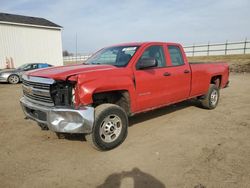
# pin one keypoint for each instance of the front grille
(37, 90)
(38, 97)
(36, 85)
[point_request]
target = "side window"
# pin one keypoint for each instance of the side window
(155, 52)
(175, 55)
(34, 66)
(42, 66)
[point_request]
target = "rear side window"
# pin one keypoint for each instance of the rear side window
(175, 55)
(42, 65)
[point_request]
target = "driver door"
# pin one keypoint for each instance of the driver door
(151, 82)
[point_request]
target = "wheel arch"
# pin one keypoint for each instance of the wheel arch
(14, 74)
(216, 79)
(118, 97)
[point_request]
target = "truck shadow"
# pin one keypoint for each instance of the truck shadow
(73, 137)
(162, 111)
(139, 179)
(144, 116)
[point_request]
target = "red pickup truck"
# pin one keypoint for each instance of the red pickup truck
(96, 98)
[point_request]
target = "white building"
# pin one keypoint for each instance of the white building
(25, 39)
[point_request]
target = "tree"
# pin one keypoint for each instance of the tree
(66, 53)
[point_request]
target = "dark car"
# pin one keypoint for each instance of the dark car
(14, 76)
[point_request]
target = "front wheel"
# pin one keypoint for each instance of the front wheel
(13, 79)
(211, 99)
(110, 127)
(43, 126)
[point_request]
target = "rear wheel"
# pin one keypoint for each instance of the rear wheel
(13, 79)
(110, 127)
(211, 99)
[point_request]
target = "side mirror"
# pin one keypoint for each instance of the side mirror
(146, 63)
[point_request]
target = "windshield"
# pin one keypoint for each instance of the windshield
(22, 67)
(118, 56)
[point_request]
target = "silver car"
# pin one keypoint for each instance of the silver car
(14, 76)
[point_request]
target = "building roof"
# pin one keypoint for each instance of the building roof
(27, 20)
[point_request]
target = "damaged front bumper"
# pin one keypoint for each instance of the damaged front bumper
(61, 120)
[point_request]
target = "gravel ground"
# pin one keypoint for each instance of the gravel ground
(177, 146)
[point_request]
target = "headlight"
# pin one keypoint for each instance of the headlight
(61, 93)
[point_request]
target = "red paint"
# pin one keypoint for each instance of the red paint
(148, 89)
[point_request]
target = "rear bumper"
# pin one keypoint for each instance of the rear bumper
(62, 120)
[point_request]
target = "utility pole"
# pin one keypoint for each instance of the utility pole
(245, 45)
(76, 47)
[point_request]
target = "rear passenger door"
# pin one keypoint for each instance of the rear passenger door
(179, 79)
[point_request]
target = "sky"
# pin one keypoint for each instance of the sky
(99, 23)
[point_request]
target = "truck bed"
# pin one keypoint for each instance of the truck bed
(202, 73)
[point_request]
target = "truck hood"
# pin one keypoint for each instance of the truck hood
(63, 72)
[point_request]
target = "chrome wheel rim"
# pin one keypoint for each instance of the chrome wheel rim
(110, 128)
(214, 97)
(13, 79)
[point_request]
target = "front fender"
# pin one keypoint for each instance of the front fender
(87, 88)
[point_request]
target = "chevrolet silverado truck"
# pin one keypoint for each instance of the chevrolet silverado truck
(96, 98)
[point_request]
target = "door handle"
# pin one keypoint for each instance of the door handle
(186, 71)
(166, 74)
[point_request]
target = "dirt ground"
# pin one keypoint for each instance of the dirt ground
(178, 146)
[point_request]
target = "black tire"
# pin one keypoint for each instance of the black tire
(60, 135)
(43, 126)
(106, 134)
(211, 99)
(13, 79)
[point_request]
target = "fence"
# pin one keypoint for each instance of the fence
(78, 58)
(227, 48)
